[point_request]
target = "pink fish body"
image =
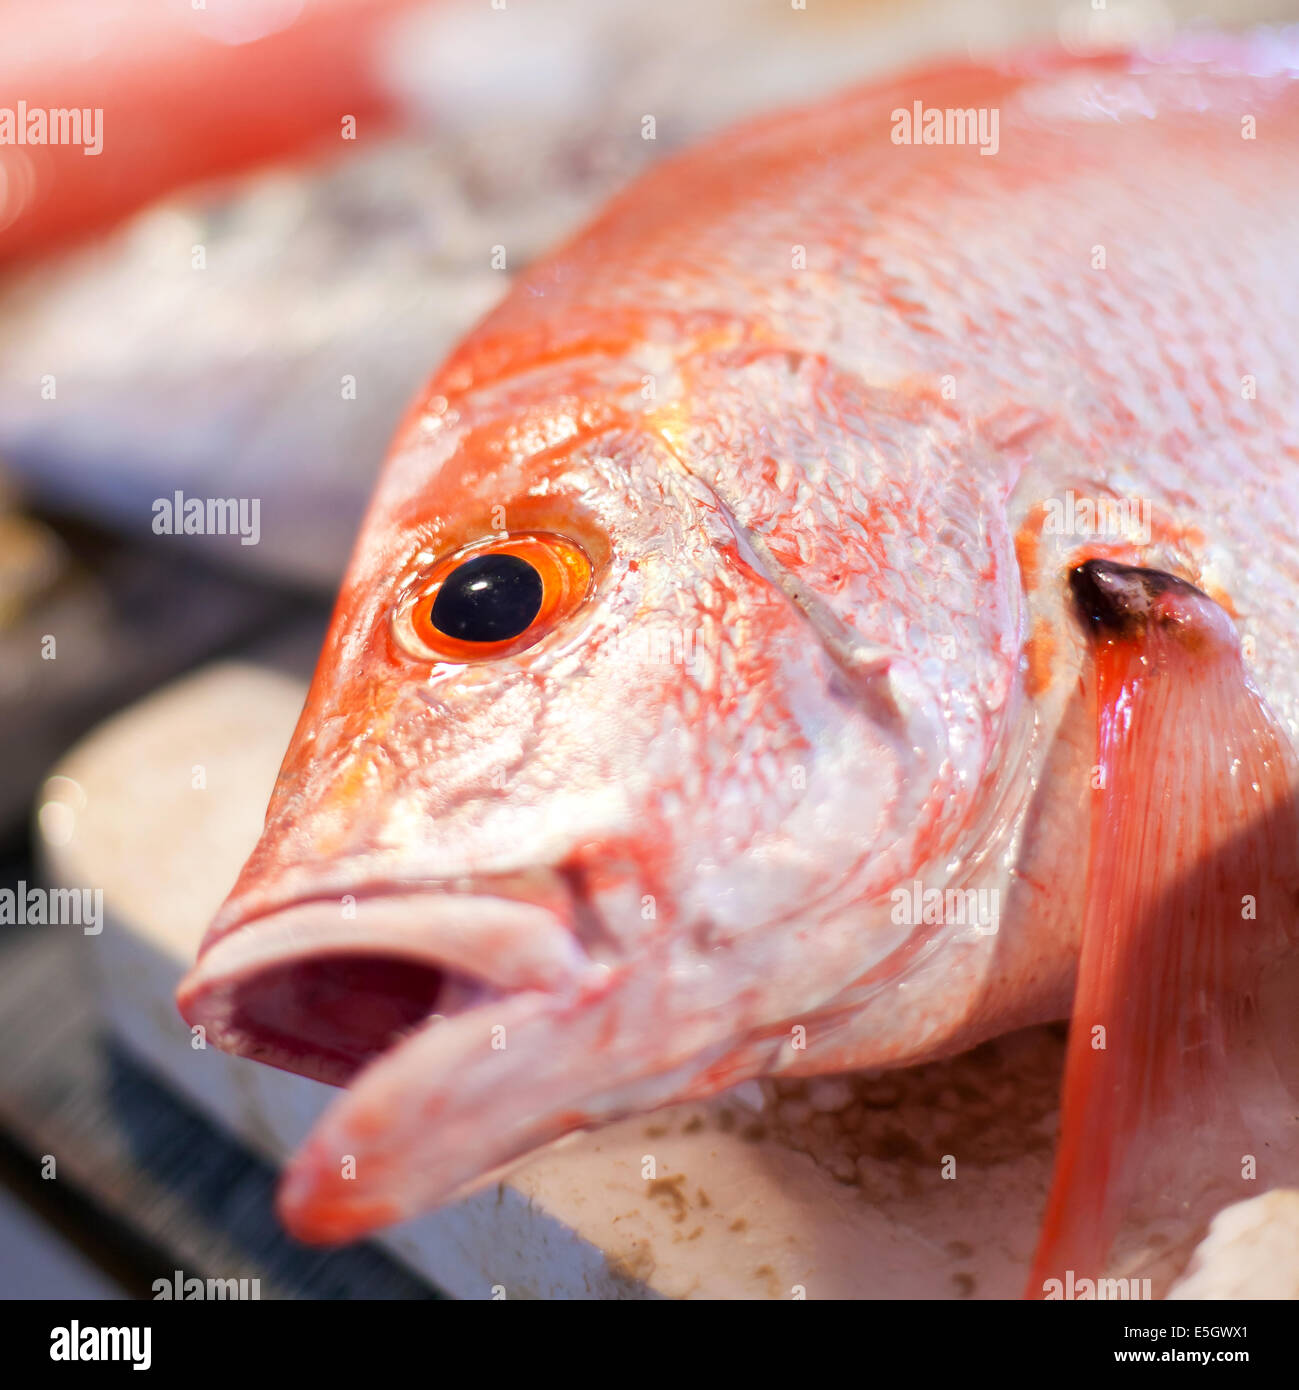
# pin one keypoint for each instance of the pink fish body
(790, 769)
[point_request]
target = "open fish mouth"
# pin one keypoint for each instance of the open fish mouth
(322, 987)
(469, 1027)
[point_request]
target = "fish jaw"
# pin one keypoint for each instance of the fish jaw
(451, 1105)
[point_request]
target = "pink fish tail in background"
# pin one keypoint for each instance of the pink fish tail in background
(164, 93)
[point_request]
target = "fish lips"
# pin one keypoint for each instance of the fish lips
(321, 988)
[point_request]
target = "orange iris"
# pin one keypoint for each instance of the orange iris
(561, 566)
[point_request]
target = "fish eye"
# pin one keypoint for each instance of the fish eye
(494, 598)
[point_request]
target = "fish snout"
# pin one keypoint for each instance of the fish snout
(322, 986)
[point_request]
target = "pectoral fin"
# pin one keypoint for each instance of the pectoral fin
(1182, 1038)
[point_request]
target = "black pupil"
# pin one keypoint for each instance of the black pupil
(490, 598)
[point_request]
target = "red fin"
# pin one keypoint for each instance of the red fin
(1187, 937)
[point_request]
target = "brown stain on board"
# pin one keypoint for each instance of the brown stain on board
(668, 1193)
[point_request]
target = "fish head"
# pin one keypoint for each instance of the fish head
(581, 812)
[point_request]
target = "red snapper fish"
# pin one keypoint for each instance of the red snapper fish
(836, 610)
